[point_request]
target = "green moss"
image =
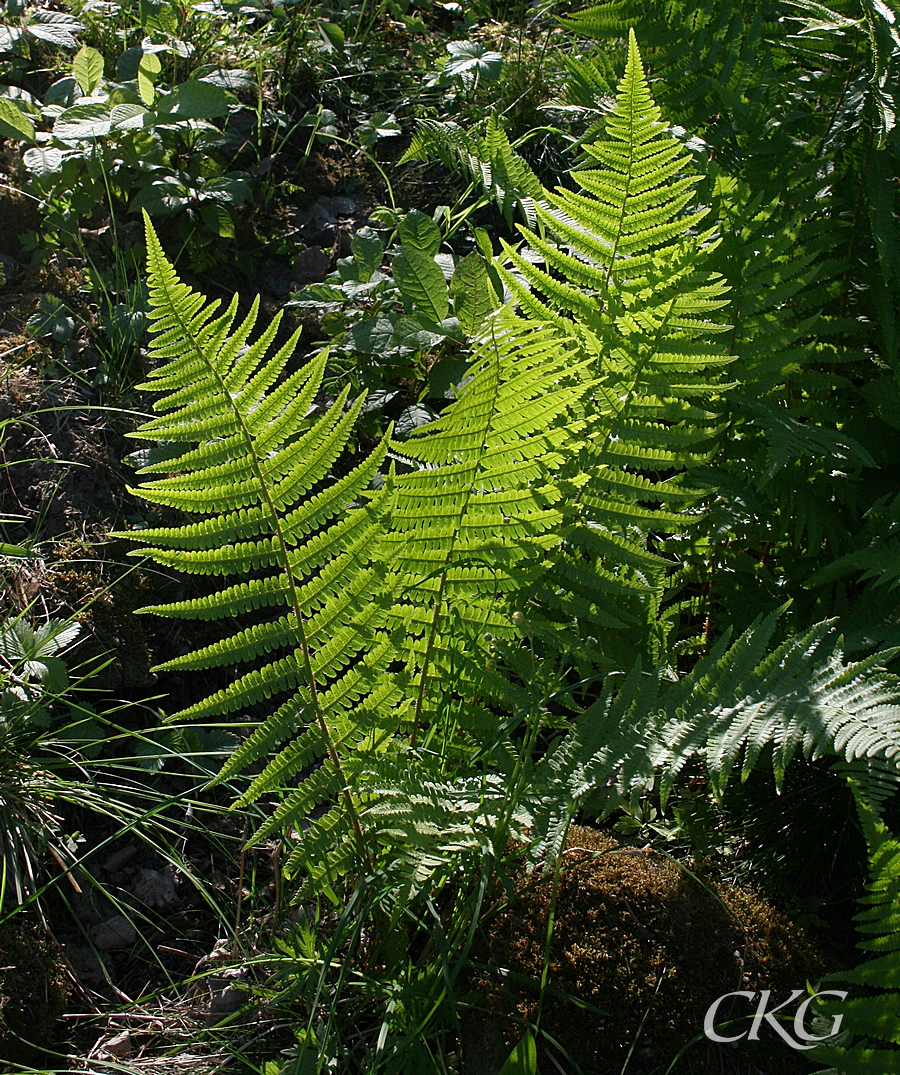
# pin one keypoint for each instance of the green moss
(637, 938)
(33, 992)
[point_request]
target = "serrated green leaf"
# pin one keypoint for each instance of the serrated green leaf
(473, 295)
(421, 283)
(87, 67)
(420, 232)
(14, 123)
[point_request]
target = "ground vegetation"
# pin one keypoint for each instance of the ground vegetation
(448, 541)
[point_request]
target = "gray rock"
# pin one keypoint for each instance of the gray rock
(311, 266)
(115, 932)
(118, 1047)
(155, 888)
(120, 858)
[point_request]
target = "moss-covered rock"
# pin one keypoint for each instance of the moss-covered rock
(639, 951)
(33, 992)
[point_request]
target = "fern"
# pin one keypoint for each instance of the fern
(875, 1015)
(252, 464)
(377, 603)
(627, 282)
(490, 162)
(742, 702)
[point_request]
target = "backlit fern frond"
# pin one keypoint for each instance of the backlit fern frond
(473, 521)
(255, 467)
(626, 282)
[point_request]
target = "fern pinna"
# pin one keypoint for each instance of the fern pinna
(873, 1017)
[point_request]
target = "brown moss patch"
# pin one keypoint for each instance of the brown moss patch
(639, 952)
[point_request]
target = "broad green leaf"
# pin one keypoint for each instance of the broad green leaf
(445, 376)
(54, 27)
(65, 91)
(231, 78)
(230, 189)
(196, 100)
(367, 250)
(473, 296)
(412, 418)
(83, 122)
(471, 63)
(87, 67)
(149, 67)
(217, 218)
(421, 282)
(523, 1059)
(16, 551)
(42, 162)
(14, 123)
(416, 334)
(420, 232)
(163, 197)
(128, 63)
(127, 116)
(332, 36)
(51, 672)
(381, 125)
(374, 336)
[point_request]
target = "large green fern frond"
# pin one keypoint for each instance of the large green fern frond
(622, 274)
(746, 700)
(874, 1016)
(255, 467)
